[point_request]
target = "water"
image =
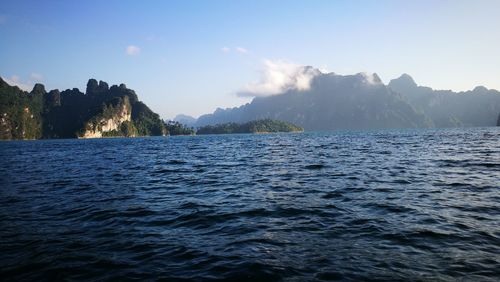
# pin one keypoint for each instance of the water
(382, 205)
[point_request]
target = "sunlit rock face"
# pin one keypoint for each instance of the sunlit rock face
(108, 122)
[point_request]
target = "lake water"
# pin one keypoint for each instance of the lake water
(380, 205)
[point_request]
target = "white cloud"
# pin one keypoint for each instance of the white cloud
(133, 50)
(16, 80)
(36, 76)
(241, 50)
(278, 77)
(225, 49)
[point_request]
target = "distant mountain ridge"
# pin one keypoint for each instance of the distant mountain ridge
(362, 101)
(333, 102)
(477, 107)
(185, 119)
(99, 112)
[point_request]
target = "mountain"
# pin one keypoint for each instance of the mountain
(99, 112)
(185, 119)
(362, 101)
(331, 102)
(478, 107)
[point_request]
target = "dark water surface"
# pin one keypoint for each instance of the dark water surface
(384, 205)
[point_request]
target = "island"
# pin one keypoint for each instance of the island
(101, 111)
(256, 126)
(175, 128)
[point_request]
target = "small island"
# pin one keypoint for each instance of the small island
(256, 126)
(175, 128)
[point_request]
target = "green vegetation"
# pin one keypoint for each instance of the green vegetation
(177, 128)
(146, 121)
(20, 112)
(69, 114)
(257, 126)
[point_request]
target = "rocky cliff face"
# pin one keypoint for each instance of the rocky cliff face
(108, 121)
(100, 112)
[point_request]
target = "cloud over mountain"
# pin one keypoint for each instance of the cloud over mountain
(278, 77)
(329, 101)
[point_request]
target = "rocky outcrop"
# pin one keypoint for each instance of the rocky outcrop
(53, 98)
(110, 120)
(94, 88)
(100, 112)
(38, 89)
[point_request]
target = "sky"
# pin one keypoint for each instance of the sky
(192, 57)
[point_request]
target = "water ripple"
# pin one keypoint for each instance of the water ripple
(381, 205)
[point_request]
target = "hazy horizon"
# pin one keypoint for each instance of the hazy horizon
(193, 57)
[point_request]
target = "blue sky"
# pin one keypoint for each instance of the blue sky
(194, 56)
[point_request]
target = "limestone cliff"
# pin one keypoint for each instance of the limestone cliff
(102, 111)
(110, 120)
